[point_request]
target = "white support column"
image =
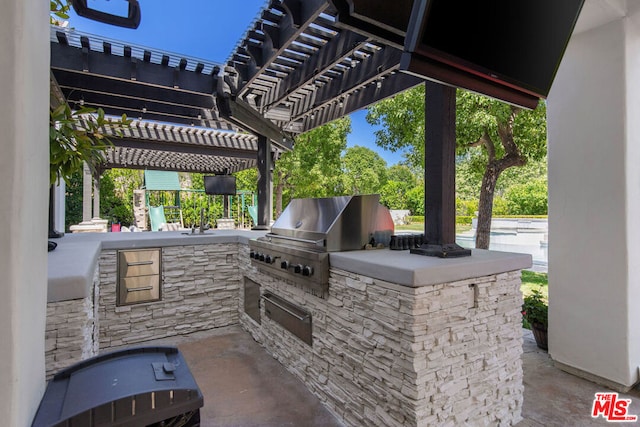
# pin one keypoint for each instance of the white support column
(96, 197)
(87, 184)
(59, 192)
(594, 203)
(24, 172)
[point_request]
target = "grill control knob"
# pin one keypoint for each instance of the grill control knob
(307, 270)
(284, 265)
(268, 259)
(252, 254)
(261, 257)
(297, 268)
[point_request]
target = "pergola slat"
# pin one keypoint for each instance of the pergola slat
(297, 68)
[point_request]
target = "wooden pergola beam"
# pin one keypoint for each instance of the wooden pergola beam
(174, 147)
(363, 97)
(325, 58)
(298, 15)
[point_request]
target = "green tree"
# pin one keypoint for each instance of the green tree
(114, 203)
(365, 172)
(402, 173)
(402, 118)
(247, 180)
(73, 200)
(532, 171)
(394, 193)
(312, 168)
(497, 135)
(415, 199)
(125, 181)
(470, 168)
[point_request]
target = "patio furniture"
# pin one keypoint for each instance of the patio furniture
(156, 217)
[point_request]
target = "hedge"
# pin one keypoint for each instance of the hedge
(463, 219)
(521, 216)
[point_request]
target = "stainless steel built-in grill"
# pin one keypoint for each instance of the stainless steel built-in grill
(300, 240)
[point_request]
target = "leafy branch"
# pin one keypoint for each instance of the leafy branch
(76, 137)
(58, 9)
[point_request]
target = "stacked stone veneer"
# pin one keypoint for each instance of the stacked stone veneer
(71, 333)
(385, 354)
(200, 286)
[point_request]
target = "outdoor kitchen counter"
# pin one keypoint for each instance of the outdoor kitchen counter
(72, 265)
(407, 269)
(399, 339)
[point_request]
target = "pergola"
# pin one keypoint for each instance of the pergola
(150, 145)
(301, 64)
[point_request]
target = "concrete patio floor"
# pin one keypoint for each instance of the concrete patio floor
(555, 398)
(245, 386)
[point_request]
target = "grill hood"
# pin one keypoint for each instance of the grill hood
(334, 223)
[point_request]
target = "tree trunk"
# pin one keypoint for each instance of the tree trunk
(485, 207)
(495, 167)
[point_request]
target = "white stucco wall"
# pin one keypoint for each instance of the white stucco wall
(593, 204)
(24, 91)
(632, 29)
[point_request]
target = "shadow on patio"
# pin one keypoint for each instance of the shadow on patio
(245, 386)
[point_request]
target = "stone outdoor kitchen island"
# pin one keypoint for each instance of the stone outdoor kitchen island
(396, 339)
(405, 340)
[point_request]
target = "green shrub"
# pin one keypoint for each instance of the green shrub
(527, 199)
(460, 219)
(464, 219)
(500, 206)
(535, 309)
(466, 207)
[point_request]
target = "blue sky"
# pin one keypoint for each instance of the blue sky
(207, 29)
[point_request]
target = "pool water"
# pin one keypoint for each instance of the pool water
(530, 242)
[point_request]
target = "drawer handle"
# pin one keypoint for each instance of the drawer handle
(285, 309)
(146, 288)
(133, 264)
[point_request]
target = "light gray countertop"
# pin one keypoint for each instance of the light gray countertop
(407, 269)
(72, 264)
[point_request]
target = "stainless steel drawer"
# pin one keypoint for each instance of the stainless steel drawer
(139, 278)
(138, 262)
(289, 316)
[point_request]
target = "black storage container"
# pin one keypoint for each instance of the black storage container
(133, 387)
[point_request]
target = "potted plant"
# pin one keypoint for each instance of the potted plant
(535, 313)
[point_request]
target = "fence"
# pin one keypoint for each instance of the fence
(190, 202)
